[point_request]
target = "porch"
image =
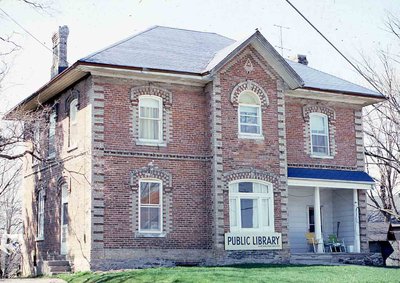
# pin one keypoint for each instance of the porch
(335, 226)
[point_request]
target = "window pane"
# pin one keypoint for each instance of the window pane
(154, 193)
(249, 98)
(144, 193)
(232, 212)
(265, 212)
(320, 144)
(73, 110)
(245, 187)
(318, 124)
(150, 218)
(260, 188)
(249, 213)
(250, 129)
(149, 129)
(149, 112)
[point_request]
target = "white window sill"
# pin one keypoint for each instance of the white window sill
(251, 137)
(151, 143)
(39, 239)
(322, 156)
(72, 148)
(150, 235)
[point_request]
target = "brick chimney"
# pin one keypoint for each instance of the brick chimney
(59, 51)
(302, 59)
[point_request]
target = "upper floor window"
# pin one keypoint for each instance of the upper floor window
(150, 118)
(150, 206)
(249, 114)
(52, 133)
(251, 206)
(319, 134)
(40, 215)
(73, 123)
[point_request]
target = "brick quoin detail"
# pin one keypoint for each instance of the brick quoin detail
(151, 171)
(252, 86)
(250, 173)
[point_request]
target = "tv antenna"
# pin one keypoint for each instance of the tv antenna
(281, 39)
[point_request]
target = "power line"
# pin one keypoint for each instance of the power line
(24, 29)
(327, 40)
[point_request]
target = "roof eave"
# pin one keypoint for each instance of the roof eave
(380, 98)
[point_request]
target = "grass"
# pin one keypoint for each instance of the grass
(243, 273)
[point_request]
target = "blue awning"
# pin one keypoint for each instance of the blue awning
(329, 175)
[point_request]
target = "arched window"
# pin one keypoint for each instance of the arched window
(319, 132)
(73, 123)
(251, 206)
(40, 215)
(249, 114)
(150, 118)
(150, 205)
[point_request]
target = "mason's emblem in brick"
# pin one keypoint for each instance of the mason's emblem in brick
(248, 66)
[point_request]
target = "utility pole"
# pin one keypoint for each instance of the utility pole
(281, 38)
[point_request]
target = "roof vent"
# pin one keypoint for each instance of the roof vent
(59, 51)
(302, 59)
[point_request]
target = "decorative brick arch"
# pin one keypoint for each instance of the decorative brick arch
(251, 86)
(250, 173)
(151, 90)
(307, 109)
(151, 171)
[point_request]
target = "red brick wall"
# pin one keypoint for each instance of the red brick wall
(190, 226)
(345, 135)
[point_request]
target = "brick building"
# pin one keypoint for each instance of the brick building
(183, 147)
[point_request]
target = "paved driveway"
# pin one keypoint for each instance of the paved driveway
(33, 280)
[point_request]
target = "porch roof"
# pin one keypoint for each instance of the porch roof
(329, 177)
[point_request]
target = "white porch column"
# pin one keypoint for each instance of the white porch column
(317, 220)
(356, 222)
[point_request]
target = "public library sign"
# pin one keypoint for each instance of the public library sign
(253, 241)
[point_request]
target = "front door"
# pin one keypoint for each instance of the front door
(64, 219)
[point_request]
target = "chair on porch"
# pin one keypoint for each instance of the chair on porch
(335, 245)
(311, 241)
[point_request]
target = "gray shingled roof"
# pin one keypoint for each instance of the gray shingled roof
(164, 48)
(172, 49)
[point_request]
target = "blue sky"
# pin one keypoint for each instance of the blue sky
(355, 26)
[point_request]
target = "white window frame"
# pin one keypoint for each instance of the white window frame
(326, 125)
(160, 120)
(40, 215)
(259, 196)
(52, 137)
(36, 143)
(72, 139)
(259, 117)
(160, 206)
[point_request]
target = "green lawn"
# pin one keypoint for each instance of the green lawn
(246, 273)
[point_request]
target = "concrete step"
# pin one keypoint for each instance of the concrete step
(57, 262)
(60, 268)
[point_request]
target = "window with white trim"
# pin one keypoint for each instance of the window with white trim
(150, 206)
(249, 112)
(319, 131)
(150, 118)
(40, 215)
(251, 206)
(73, 123)
(52, 133)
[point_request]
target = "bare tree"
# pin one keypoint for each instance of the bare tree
(382, 127)
(10, 213)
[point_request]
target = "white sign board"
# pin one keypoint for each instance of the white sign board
(253, 241)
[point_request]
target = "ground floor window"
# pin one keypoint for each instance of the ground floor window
(251, 206)
(311, 219)
(150, 206)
